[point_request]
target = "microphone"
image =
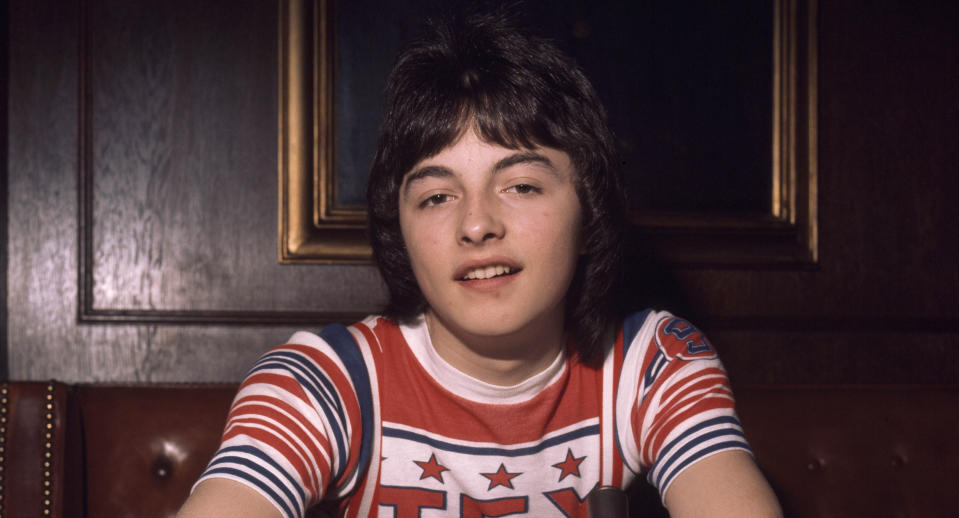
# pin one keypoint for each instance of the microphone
(607, 502)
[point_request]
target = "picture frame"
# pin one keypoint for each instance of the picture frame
(316, 227)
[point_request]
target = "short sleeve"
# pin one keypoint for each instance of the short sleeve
(682, 409)
(293, 427)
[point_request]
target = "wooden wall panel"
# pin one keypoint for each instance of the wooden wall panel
(179, 168)
(879, 305)
(184, 204)
(4, 61)
(184, 194)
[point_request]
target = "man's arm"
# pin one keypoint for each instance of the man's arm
(727, 484)
(225, 498)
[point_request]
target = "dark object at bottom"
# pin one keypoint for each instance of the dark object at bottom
(607, 502)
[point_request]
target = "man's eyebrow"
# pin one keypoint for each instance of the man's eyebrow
(437, 171)
(523, 158)
(429, 171)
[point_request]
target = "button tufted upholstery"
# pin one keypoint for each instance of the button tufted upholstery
(145, 445)
(135, 450)
(868, 451)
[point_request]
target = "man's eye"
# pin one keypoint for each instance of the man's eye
(523, 188)
(435, 199)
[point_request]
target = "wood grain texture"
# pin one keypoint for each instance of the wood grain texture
(185, 204)
(185, 193)
(888, 123)
(4, 61)
(42, 223)
(879, 308)
(183, 164)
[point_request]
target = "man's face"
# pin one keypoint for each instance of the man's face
(493, 236)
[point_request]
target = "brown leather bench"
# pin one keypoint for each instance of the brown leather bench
(135, 450)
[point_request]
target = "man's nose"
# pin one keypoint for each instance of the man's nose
(481, 221)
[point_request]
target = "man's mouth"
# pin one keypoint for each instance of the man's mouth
(488, 272)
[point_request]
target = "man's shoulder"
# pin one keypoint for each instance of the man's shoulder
(674, 336)
(337, 331)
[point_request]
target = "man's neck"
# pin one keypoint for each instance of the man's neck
(503, 360)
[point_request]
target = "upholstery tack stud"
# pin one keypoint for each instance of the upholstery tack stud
(48, 450)
(4, 401)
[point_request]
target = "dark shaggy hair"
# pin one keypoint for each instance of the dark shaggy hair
(518, 91)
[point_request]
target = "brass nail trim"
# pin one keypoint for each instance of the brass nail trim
(47, 440)
(4, 401)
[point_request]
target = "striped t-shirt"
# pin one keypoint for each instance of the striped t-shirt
(370, 416)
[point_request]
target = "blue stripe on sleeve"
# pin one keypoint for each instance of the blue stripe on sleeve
(339, 435)
(665, 479)
(329, 393)
(258, 483)
(631, 326)
(652, 371)
(668, 456)
(342, 342)
(227, 456)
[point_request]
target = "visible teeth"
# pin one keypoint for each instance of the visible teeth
(487, 272)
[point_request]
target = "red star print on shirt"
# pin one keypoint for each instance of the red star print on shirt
(501, 477)
(570, 466)
(431, 468)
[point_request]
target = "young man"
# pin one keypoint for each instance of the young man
(500, 380)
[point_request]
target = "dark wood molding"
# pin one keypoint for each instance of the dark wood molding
(85, 308)
(87, 312)
(202, 317)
